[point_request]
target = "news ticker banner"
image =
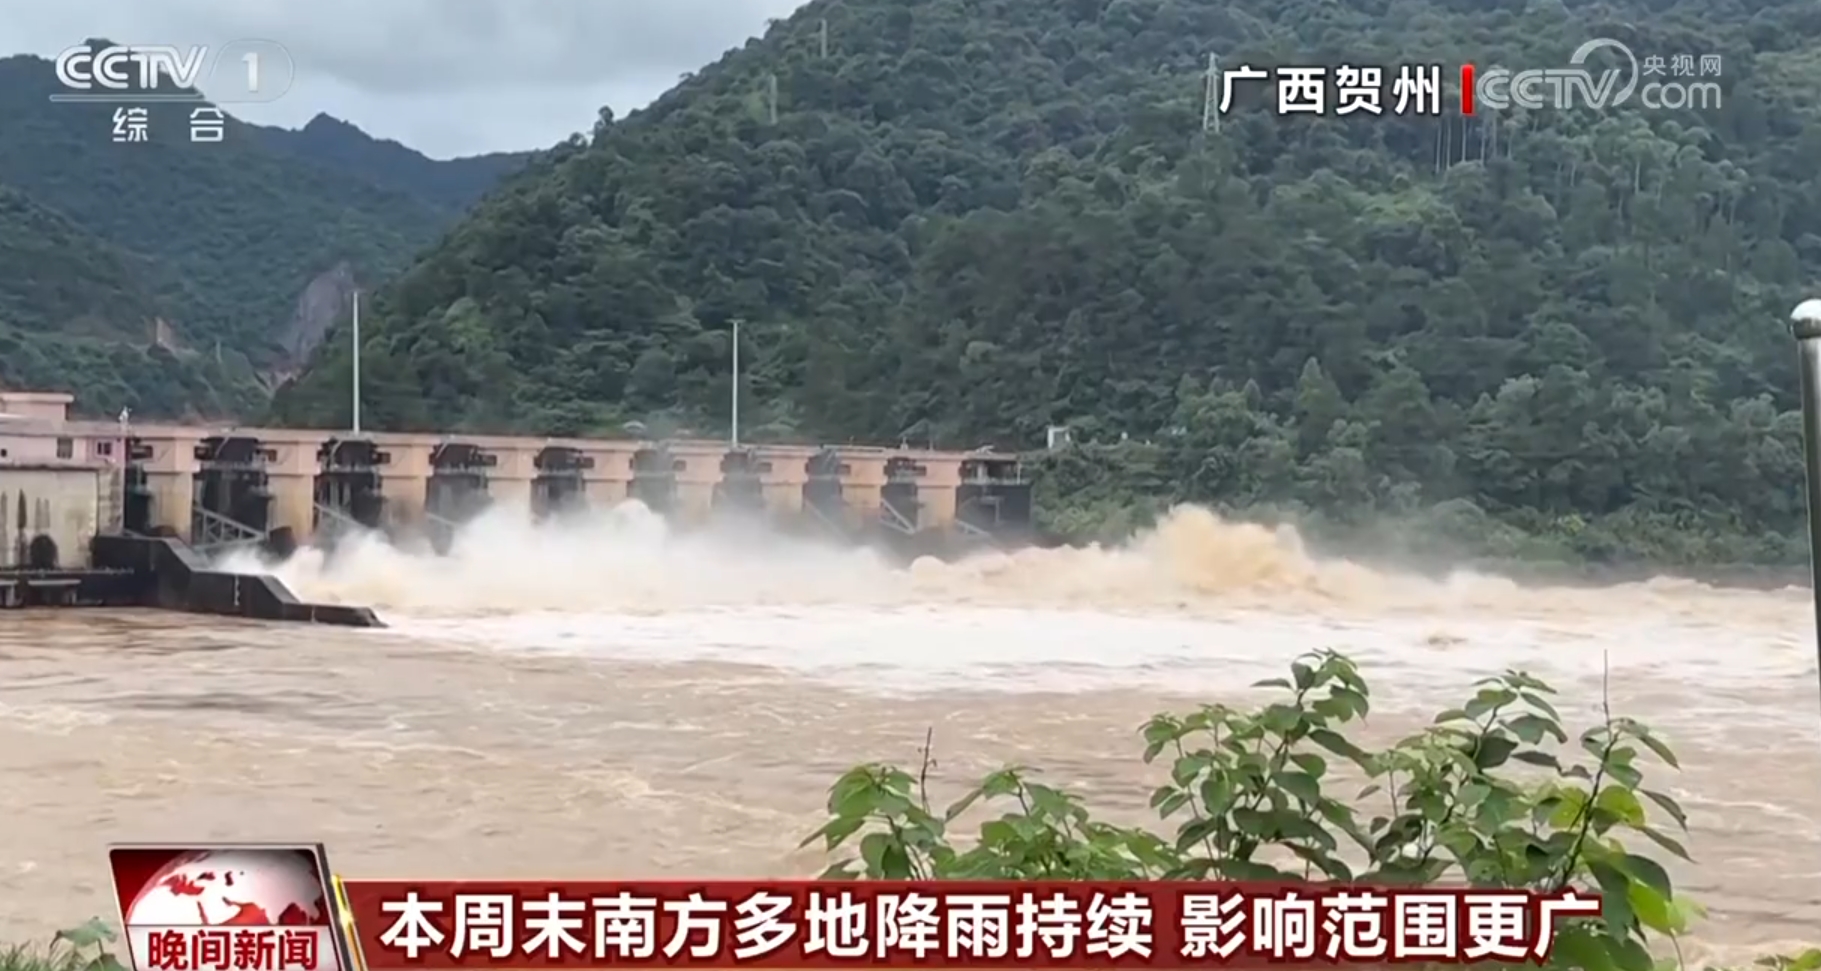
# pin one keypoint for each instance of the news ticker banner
(274, 908)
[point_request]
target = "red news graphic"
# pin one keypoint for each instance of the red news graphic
(227, 908)
(679, 924)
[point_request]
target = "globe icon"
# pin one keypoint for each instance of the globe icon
(245, 887)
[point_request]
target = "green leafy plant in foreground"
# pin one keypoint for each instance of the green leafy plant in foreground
(1493, 793)
(80, 948)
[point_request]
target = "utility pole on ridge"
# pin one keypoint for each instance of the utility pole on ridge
(1210, 97)
(733, 437)
(1805, 327)
(354, 384)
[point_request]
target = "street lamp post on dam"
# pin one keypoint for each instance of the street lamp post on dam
(1805, 326)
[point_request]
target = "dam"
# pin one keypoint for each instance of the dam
(214, 487)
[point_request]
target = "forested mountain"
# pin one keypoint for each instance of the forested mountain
(450, 186)
(972, 219)
(178, 278)
(76, 307)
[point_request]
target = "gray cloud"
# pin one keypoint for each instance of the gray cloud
(447, 77)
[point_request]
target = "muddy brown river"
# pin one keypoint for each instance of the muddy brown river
(602, 700)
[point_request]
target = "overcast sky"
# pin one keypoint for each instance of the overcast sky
(446, 77)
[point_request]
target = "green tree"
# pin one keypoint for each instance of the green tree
(1253, 794)
(184, 279)
(1558, 318)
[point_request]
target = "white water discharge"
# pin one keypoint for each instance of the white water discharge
(601, 697)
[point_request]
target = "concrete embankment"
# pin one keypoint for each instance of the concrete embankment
(174, 577)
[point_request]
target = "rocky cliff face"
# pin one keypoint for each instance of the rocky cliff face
(162, 334)
(326, 298)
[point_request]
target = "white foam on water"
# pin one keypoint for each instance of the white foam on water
(549, 680)
(1198, 603)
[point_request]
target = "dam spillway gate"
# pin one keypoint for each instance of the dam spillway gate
(654, 479)
(244, 486)
(741, 491)
(138, 514)
(456, 491)
(231, 497)
(994, 500)
(824, 500)
(900, 498)
(347, 493)
(561, 485)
